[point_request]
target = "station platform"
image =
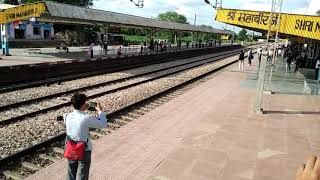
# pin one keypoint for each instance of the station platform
(51, 55)
(208, 133)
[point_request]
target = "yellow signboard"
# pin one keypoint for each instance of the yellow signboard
(2, 17)
(292, 24)
(22, 12)
(225, 37)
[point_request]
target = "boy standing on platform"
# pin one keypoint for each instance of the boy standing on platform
(78, 124)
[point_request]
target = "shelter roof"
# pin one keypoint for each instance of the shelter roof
(87, 15)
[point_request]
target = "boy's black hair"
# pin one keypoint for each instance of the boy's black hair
(78, 100)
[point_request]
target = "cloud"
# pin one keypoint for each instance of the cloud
(257, 6)
(205, 13)
(313, 7)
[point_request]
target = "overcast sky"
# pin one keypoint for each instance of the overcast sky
(205, 13)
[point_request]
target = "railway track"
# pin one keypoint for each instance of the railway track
(168, 56)
(118, 117)
(28, 108)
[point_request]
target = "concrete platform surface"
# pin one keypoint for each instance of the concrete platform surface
(208, 133)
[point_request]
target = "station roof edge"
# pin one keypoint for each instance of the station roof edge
(120, 18)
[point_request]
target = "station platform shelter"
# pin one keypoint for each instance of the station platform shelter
(211, 132)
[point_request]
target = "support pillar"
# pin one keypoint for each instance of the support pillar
(276, 8)
(260, 85)
(4, 39)
(152, 40)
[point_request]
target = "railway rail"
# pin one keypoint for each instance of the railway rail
(47, 74)
(121, 115)
(35, 106)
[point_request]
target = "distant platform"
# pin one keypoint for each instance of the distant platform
(52, 55)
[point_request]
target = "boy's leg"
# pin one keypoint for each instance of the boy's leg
(72, 170)
(84, 166)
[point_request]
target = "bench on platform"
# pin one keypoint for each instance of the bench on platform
(33, 50)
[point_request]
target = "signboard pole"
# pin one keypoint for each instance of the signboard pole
(260, 85)
(276, 40)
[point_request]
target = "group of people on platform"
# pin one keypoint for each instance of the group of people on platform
(242, 57)
(288, 54)
(154, 45)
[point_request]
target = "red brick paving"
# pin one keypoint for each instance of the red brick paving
(208, 133)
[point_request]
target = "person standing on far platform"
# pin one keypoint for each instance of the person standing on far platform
(141, 47)
(270, 56)
(78, 124)
(119, 51)
(288, 64)
(105, 47)
(279, 54)
(91, 49)
(157, 44)
(298, 60)
(241, 60)
(259, 51)
(64, 47)
(250, 57)
(317, 69)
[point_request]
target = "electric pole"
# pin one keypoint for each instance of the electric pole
(217, 5)
(276, 9)
(139, 3)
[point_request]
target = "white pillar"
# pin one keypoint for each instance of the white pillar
(4, 39)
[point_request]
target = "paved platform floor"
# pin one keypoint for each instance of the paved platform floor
(207, 133)
(49, 55)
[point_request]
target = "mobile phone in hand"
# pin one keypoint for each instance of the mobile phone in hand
(92, 106)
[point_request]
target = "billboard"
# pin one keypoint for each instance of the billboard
(22, 12)
(291, 24)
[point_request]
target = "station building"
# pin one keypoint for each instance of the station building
(31, 30)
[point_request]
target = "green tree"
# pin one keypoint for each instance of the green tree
(171, 16)
(318, 12)
(242, 35)
(13, 2)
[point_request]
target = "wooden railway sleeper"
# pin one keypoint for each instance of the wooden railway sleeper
(96, 133)
(121, 122)
(30, 166)
(47, 157)
(58, 150)
(13, 175)
(127, 118)
(139, 111)
(113, 125)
